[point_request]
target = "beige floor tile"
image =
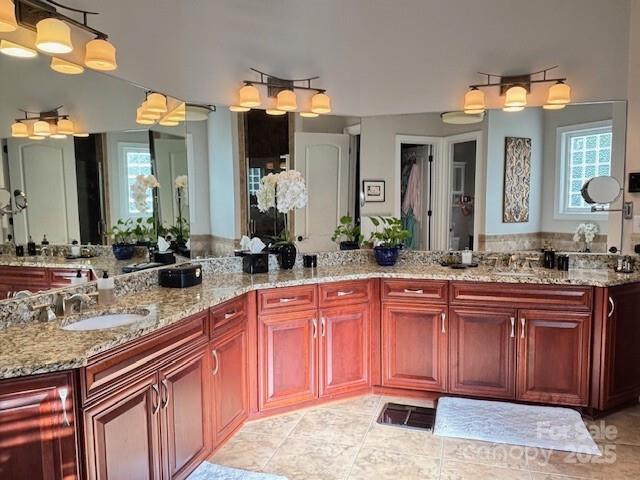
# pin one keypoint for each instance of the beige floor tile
(332, 427)
(279, 426)
(452, 470)
(416, 402)
(375, 464)
(247, 450)
(565, 463)
(304, 459)
(403, 440)
(548, 476)
(627, 425)
(366, 405)
(496, 454)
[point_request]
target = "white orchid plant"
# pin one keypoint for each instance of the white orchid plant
(586, 232)
(285, 192)
(139, 190)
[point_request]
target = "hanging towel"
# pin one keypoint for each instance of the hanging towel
(413, 197)
(410, 223)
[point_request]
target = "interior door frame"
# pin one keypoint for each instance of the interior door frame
(480, 182)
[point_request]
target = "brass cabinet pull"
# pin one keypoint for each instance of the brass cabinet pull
(62, 393)
(324, 326)
(410, 290)
(443, 317)
(287, 300)
(522, 323)
(230, 314)
(342, 294)
(166, 393)
(315, 327)
(156, 405)
(513, 327)
(613, 307)
(217, 359)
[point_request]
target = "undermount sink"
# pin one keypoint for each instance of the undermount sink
(107, 320)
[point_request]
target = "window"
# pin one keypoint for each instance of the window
(585, 152)
(255, 174)
(135, 160)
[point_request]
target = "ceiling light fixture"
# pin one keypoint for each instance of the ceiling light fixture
(53, 36)
(283, 90)
(14, 50)
(461, 117)
(8, 21)
(516, 88)
(158, 108)
(19, 130)
(43, 124)
(62, 66)
(100, 55)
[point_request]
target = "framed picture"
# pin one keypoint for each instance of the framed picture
(373, 190)
(517, 180)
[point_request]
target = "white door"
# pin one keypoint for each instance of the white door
(171, 162)
(46, 171)
(323, 160)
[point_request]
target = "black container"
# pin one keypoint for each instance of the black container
(346, 245)
(19, 250)
(31, 247)
(310, 261)
(255, 262)
(562, 262)
(182, 276)
(166, 258)
(549, 260)
(287, 256)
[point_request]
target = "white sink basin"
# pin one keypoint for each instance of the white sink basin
(101, 322)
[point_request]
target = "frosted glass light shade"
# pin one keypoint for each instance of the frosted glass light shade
(36, 137)
(516, 97)
(474, 102)
(81, 134)
(53, 36)
(321, 103)
(309, 114)
(553, 106)
(167, 122)
(144, 110)
(238, 108)
(249, 96)
(8, 16)
(19, 130)
(512, 109)
(100, 55)
(41, 129)
(141, 119)
(15, 50)
(65, 126)
(286, 100)
(178, 114)
(62, 66)
(275, 112)
(559, 94)
(55, 133)
(156, 103)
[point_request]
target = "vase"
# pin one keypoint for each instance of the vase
(386, 256)
(349, 245)
(123, 251)
(287, 256)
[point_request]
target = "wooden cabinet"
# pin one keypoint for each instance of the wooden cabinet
(553, 357)
(229, 371)
(15, 279)
(344, 349)
(482, 351)
(185, 413)
(287, 358)
(414, 346)
(122, 433)
(37, 428)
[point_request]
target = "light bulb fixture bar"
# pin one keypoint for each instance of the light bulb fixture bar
(30, 12)
(524, 80)
(40, 125)
(277, 84)
(50, 116)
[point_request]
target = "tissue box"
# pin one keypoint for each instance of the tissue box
(255, 262)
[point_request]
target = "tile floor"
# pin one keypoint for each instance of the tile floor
(342, 440)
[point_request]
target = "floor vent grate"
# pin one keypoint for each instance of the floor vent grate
(407, 416)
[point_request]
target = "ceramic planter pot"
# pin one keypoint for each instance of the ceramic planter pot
(349, 245)
(123, 251)
(287, 256)
(386, 256)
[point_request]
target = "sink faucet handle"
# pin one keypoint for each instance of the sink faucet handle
(45, 311)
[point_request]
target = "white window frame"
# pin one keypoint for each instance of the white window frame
(123, 148)
(563, 136)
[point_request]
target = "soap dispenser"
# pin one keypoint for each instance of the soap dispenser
(75, 249)
(31, 247)
(78, 279)
(44, 240)
(106, 289)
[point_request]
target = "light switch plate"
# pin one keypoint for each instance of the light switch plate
(636, 224)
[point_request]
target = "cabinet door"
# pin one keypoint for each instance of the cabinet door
(621, 333)
(344, 349)
(37, 429)
(230, 382)
(553, 357)
(482, 349)
(122, 433)
(287, 359)
(185, 412)
(414, 344)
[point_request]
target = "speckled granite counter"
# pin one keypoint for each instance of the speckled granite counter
(32, 348)
(98, 264)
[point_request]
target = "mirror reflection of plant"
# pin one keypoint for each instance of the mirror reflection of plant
(347, 231)
(122, 232)
(144, 229)
(181, 223)
(392, 235)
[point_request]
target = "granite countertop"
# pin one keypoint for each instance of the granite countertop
(32, 348)
(98, 264)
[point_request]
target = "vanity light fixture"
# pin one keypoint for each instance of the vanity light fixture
(178, 113)
(62, 66)
(515, 88)
(283, 90)
(141, 119)
(55, 133)
(158, 108)
(65, 126)
(309, 114)
(15, 50)
(8, 22)
(156, 103)
(81, 134)
(53, 32)
(43, 124)
(462, 117)
(19, 130)
(41, 129)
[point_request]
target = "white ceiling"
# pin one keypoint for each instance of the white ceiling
(373, 56)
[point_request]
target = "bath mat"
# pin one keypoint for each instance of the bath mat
(211, 471)
(552, 428)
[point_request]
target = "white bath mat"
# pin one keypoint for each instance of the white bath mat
(552, 428)
(211, 471)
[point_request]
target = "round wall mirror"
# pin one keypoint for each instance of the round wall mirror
(601, 190)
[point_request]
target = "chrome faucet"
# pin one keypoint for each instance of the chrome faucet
(45, 312)
(74, 303)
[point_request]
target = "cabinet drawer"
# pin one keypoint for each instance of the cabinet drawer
(24, 276)
(343, 293)
(522, 296)
(415, 290)
(62, 277)
(112, 368)
(287, 299)
(226, 313)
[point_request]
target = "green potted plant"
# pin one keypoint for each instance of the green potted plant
(347, 234)
(143, 230)
(388, 241)
(122, 239)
